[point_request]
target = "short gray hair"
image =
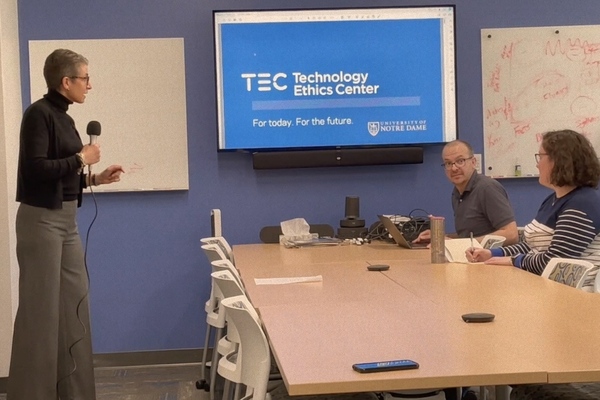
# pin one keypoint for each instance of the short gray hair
(61, 63)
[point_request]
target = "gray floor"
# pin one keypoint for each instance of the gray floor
(177, 382)
(174, 382)
(161, 382)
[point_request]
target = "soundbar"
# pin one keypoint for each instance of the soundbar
(337, 157)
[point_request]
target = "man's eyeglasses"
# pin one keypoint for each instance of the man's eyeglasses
(459, 163)
(538, 157)
(85, 78)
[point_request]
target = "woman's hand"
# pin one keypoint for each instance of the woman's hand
(90, 154)
(109, 175)
(477, 255)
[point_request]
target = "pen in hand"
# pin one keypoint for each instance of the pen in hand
(471, 250)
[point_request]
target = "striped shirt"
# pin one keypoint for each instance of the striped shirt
(566, 227)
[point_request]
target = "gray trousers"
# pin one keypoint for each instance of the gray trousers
(51, 349)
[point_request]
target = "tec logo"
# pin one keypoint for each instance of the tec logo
(263, 81)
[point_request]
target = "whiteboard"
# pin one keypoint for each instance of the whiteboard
(537, 80)
(138, 95)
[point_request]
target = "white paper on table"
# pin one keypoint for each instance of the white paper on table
(456, 248)
(285, 281)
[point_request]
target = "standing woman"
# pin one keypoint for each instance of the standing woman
(51, 350)
(567, 224)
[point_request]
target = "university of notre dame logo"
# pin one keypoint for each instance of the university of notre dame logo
(373, 128)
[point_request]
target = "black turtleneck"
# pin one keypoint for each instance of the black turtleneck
(48, 165)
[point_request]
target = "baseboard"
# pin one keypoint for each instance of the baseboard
(181, 356)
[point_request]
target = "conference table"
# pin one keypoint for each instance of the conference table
(543, 331)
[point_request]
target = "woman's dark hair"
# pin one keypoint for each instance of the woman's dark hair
(575, 160)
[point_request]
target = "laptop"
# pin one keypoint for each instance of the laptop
(398, 236)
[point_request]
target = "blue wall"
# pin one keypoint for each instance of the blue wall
(149, 279)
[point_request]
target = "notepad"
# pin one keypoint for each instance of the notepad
(456, 248)
(285, 281)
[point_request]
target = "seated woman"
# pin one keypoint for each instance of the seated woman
(567, 224)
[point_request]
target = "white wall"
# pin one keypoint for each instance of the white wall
(10, 119)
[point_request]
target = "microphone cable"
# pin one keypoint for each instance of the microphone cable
(376, 232)
(87, 291)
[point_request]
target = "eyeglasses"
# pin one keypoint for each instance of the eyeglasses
(538, 156)
(459, 163)
(86, 78)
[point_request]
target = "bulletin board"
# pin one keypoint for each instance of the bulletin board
(138, 96)
(537, 80)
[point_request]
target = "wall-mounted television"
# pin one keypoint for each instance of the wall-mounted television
(335, 78)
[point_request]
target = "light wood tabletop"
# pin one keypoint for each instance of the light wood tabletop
(543, 331)
(275, 254)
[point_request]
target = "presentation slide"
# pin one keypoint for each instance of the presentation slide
(330, 83)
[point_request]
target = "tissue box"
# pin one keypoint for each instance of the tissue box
(294, 241)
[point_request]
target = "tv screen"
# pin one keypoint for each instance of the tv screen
(335, 78)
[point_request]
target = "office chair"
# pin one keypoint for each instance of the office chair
(250, 364)
(492, 241)
(229, 343)
(226, 265)
(416, 394)
(215, 322)
(215, 319)
(571, 272)
(227, 286)
(521, 233)
(214, 252)
(222, 243)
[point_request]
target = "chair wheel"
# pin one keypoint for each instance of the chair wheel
(202, 384)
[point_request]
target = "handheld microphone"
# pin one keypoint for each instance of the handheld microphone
(93, 130)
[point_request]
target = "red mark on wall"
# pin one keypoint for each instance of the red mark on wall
(492, 141)
(582, 123)
(551, 85)
(508, 109)
(135, 168)
(573, 49)
(559, 93)
(521, 129)
(492, 112)
(493, 124)
(507, 51)
(591, 73)
(583, 106)
(494, 81)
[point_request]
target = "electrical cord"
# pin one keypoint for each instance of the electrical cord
(87, 291)
(426, 214)
(415, 225)
(377, 232)
(410, 226)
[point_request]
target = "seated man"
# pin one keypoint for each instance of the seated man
(480, 203)
(480, 207)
